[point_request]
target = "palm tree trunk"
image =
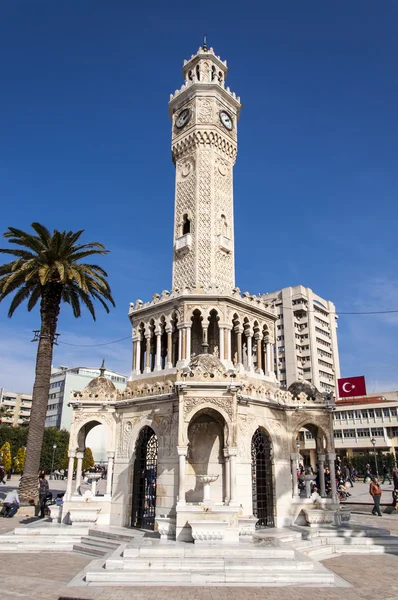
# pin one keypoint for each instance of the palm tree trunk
(49, 311)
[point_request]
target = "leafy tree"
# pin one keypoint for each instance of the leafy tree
(5, 456)
(88, 460)
(46, 269)
(19, 461)
(4, 412)
(16, 436)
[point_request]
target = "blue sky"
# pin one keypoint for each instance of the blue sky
(85, 144)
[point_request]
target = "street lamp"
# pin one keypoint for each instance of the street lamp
(373, 442)
(52, 464)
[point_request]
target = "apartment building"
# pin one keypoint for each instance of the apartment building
(305, 338)
(63, 381)
(18, 406)
(357, 422)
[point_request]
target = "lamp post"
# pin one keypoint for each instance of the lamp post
(52, 464)
(373, 442)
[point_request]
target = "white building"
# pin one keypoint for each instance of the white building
(306, 339)
(18, 406)
(63, 380)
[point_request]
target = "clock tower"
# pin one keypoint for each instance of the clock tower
(204, 115)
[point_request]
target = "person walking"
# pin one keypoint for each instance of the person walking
(348, 475)
(368, 474)
(2, 474)
(43, 492)
(375, 492)
(386, 475)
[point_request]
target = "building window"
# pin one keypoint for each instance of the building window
(386, 412)
(349, 433)
(377, 431)
(378, 412)
(338, 433)
(363, 432)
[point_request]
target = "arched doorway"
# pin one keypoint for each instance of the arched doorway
(262, 484)
(144, 483)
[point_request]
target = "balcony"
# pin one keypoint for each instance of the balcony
(224, 243)
(183, 243)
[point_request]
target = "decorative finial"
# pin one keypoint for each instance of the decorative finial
(102, 368)
(204, 47)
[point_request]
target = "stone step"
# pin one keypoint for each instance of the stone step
(51, 530)
(90, 550)
(190, 550)
(205, 564)
(100, 542)
(37, 547)
(240, 578)
(112, 535)
(42, 540)
(354, 533)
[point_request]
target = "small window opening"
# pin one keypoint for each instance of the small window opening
(186, 225)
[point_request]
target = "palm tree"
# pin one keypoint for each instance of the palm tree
(46, 268)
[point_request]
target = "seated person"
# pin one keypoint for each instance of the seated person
(11, 502)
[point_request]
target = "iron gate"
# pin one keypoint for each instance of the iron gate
(144, 483)
(262, 488)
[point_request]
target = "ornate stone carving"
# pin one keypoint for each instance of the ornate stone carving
(224, 403)
(205, 110)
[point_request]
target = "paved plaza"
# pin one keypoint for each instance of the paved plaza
(38, 576)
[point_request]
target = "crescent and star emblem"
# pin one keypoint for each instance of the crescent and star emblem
(352, 387)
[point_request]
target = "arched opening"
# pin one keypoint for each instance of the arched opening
(186, 225)
(197, 73)
(97, 441)
(174, 341)
(206, 435)
(224, 226)
(144, 480)
(311, 448)
(262, 479)
(214, 333)
(197, 333)
(234, 341)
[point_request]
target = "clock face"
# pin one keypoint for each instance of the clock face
(226, 120)
(183, 118)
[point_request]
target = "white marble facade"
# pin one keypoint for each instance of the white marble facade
(202, 400)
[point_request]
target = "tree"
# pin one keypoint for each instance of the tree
(5, 456)
(88, 459)
(4, 412)
(19, 461)
(46, 269)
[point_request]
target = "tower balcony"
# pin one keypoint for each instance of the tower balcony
(183, 243)
(225, 243)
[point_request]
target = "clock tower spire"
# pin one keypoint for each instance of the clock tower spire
(204, 115)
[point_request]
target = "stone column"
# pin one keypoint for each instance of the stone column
(134, 361)
(205, 339)
(293, 462)
(148, 355)
(184, 344)
(169, 331)
(221, 344)
(182, 455)
(158, 365)
(69, 483)
(227, 344)
(259, 354)
(249, 337)
(109, 473)
(137, 366)
(321, 467)
(79, 456)
(188, 350)
(331, 457)
(179, 343)
(269, 362)
(233, 452)
(239, 331)
(227, 476)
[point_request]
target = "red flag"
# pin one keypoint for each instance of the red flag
(352, 386)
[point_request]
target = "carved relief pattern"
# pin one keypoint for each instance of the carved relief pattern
(224, 262)
(205, 110)
(205, 229)
(184, 264)
(224, 403)
(168, 432)
(246, 427)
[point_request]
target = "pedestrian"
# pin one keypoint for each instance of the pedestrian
(2, 474)
(348, 475)
(395, 477)
(375, 492)
(386, 474)
(368, 474)
(11, 503)
(43, 492)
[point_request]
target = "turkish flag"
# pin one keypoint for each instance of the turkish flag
(352, 386)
